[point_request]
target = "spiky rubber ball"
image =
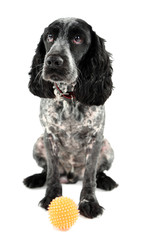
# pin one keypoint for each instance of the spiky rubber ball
(63, 212)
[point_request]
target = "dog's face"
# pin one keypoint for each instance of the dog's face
(66, 42)
(70, 51)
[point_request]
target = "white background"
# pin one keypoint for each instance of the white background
(21, 24)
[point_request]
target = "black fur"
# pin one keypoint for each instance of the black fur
(91, 210)
(104, 182)
(37, 85)
(36, 180)
(93, 85)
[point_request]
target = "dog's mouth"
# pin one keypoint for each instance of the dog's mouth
(55, 75)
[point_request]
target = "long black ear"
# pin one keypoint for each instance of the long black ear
(37, 85)
(94, 83)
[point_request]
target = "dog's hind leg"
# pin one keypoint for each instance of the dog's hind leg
(105, 160)
(38, 180)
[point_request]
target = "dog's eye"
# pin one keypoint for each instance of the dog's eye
(50, 38)
(77, 39)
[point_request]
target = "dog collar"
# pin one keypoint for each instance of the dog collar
(68, 95)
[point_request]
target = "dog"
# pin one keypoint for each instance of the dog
(71, 72)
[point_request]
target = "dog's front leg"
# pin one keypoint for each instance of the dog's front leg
(89, 206)
(54, 188)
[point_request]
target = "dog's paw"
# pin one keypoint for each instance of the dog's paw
(36, 180)
(44, 203)
(104, 182)
(51, 193)
(90, 209)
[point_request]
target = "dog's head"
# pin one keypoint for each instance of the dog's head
(69, 51)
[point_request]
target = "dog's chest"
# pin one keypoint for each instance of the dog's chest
(71, 122)
(72, 126)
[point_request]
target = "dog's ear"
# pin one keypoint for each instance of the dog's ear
(37, 85)
(94, 83)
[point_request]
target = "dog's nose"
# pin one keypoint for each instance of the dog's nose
(54, 61)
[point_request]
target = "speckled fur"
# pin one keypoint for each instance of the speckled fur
(72, 146)
(73, 127)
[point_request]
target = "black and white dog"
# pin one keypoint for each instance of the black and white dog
(71, 72)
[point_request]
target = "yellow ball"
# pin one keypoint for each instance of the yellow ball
(63, 212)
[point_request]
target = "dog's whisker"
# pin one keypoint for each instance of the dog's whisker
(41, 64)
(40, 71)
